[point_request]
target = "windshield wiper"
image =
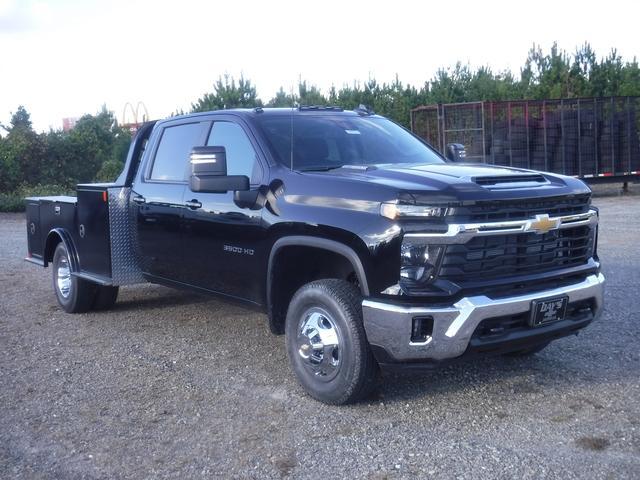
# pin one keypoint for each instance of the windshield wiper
(320, 168)
(350, 166)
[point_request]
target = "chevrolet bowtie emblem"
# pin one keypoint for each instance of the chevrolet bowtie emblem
(542, 224)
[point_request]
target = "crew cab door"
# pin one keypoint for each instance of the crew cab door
(223, 244)
(158, 196)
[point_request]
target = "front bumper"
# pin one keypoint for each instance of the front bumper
(388, 326)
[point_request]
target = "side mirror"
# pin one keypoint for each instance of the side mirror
(208, 161)
(455, 152)
(209, 172)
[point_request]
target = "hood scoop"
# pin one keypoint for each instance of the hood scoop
(504, 180)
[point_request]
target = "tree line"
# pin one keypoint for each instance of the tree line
(95, 149)
(555, 74)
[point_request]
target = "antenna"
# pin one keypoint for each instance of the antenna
(293, 106)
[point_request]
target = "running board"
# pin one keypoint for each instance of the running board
(35, 261)
(92, 277)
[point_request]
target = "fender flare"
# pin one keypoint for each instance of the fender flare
(67, 241)
(322, 243)
(314, 242)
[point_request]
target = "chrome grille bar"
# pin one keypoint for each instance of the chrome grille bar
(461, 233)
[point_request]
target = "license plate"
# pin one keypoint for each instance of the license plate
(548, 311)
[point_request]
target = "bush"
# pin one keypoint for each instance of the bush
(110, 171)
(14, 201)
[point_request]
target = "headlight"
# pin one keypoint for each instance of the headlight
(393, 211)
(419, 261)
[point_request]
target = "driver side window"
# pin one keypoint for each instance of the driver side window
(241, 157)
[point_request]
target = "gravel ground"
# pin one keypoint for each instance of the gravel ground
(170, 384)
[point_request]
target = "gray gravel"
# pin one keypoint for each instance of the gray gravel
(171, 384)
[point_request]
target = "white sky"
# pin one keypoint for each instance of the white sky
(65, 58)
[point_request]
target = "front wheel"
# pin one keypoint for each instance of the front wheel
(326, 342)
(74, 294)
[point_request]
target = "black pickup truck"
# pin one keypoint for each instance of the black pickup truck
(363, 245)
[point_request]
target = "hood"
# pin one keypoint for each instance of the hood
(449, 182)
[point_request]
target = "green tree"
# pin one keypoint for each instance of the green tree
(94, 141)
(21, 119)
(22, 153)
(630, 79)
(112, 167)
(95, 149)
(307, 95)
(227, 94)
(282, 99)
(310, 95)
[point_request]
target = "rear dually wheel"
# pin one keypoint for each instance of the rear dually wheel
(74, 294)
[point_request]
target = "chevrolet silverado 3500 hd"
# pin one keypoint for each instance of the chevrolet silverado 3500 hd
(363, 245)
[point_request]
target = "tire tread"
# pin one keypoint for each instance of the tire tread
(349, 300)
(105, 297)
(83, 291)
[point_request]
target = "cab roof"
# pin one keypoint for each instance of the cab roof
(279, 111)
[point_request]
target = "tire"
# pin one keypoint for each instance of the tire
(326, 342)
(74, 294)
(525, 352)
(105, 297)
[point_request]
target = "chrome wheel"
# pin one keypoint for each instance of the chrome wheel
(63, 277)
(318, 343)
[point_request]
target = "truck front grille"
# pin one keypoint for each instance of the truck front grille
(494, 211)
(502, 256)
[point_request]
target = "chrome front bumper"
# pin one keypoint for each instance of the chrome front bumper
(389, 326)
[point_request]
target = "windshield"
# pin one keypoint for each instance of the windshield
(324, 142)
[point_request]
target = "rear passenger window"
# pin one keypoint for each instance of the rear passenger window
(172, 156)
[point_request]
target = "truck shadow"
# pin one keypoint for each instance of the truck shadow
(153, 297)
(559, 366)
(153, 303)
(526, 376)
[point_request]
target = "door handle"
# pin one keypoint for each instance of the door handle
(193, 204)
(139, 200)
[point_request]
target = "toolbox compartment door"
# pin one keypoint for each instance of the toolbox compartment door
(35, 242)
(44, 214)
(92, 235)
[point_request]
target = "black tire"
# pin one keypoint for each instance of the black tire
(525, 352)
(105, 297)
(74, 294)
(336, 303)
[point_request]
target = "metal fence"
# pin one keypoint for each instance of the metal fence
(596, 138)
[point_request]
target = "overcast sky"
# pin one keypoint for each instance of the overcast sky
(64, 58)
